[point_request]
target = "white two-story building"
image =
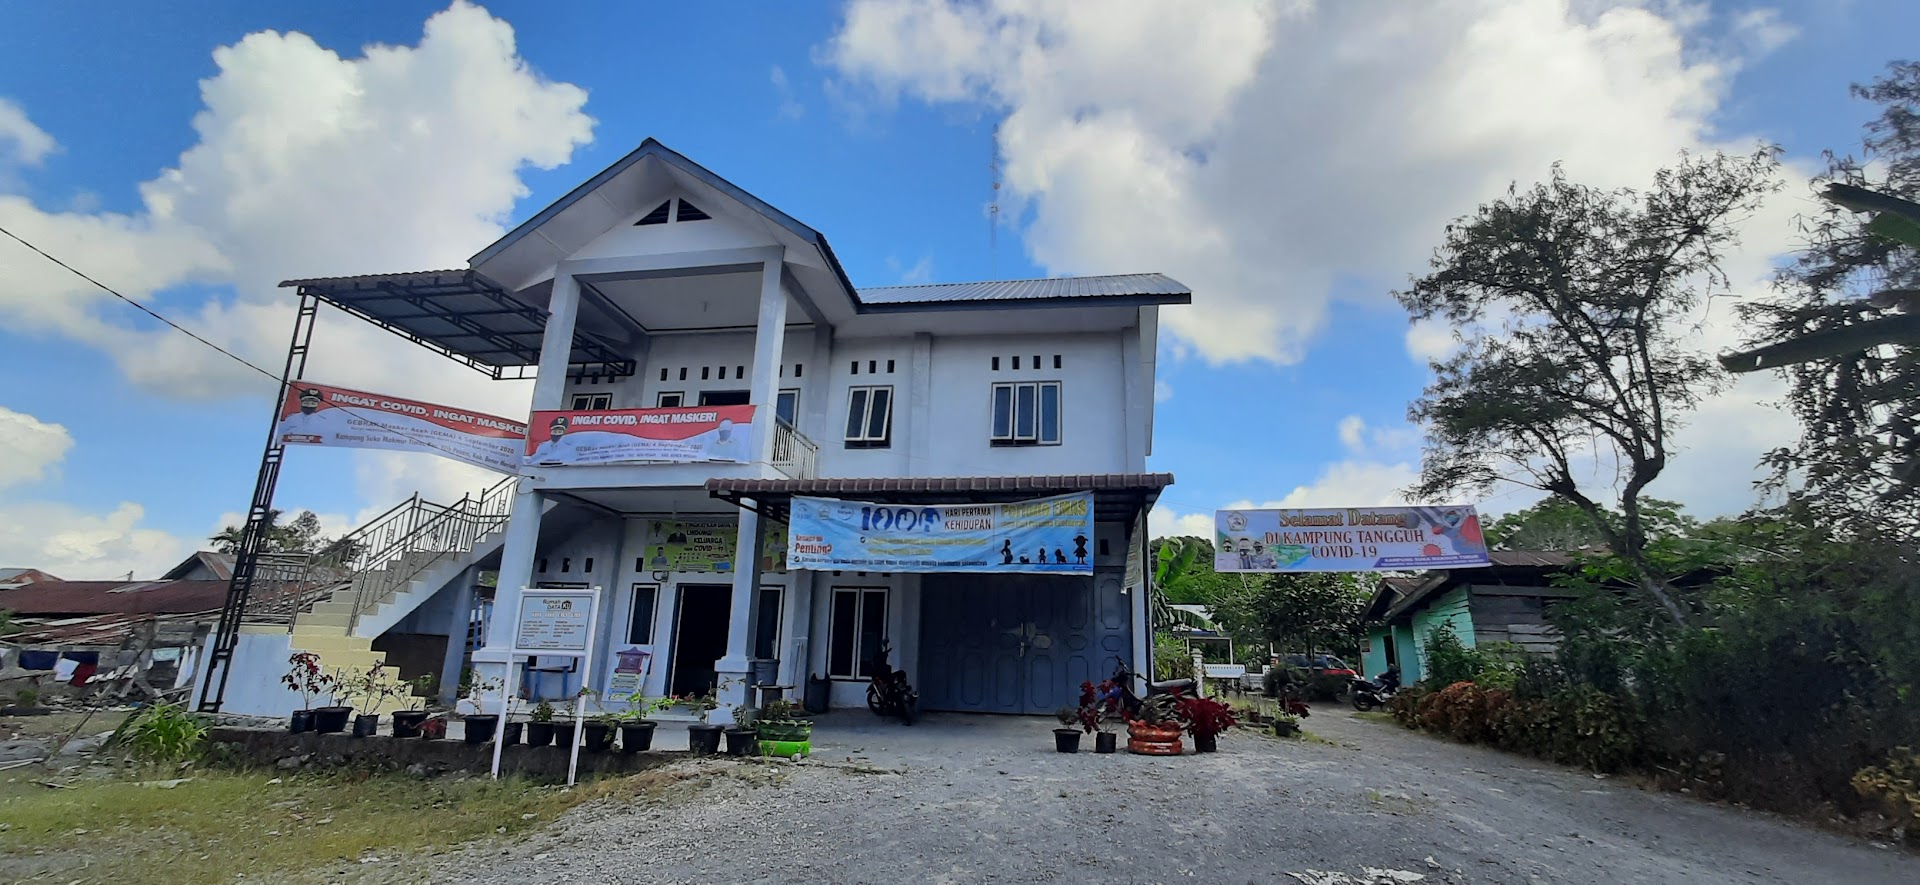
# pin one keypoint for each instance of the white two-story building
(659, 285)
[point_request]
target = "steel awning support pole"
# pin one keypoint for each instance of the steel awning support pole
(259, 517)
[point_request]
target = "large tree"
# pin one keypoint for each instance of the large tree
(1571, 305)
(1297, 612)
(1858, 458)
(302, 535)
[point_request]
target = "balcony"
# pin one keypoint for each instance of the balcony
(793, 454)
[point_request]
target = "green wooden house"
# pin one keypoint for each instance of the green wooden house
(1505, 602)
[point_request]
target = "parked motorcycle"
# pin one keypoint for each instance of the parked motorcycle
(1124, 677)
(1368, 693)
(888, 693)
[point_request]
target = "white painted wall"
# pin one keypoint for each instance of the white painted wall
(254, 689)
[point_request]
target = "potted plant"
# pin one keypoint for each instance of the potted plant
(480, 727)
(1066, 738)
(406, 723)
(599, 727)
(1285, 724)
(636, 730)
(1156, 730)
(1206, 718)
(368, 687)
(742, 738)
(782, 730)
(305, 677)
(540, 725)
(702, 738)
(1099, 707)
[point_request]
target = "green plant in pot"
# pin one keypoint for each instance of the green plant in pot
(414, 693)
(1066, 738)
(703, 738)
(540, 725)
(742, 738)
(305, 678)
(1285, 724)
(598, 735)
(636, 730)
(364, 690)
(783, 729)
(479, 728)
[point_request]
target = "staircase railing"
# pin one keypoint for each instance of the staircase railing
(284, 584)
(421, 534)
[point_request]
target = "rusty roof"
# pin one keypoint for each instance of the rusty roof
(114, 597)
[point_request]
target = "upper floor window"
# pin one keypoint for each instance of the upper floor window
(1026, 414)
(869, 417)
(584, 402)
(788, 407)
(671, 399)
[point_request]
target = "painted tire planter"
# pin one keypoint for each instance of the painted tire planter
(300, 722)
(1066, 740)
(789, 731)
(480, 727)
(786, 749)
(331, 720)
(636, 736)
(539, 734)
(1105, 742)
(1153, 740)
(406, 723)
(1206, 743)
(703, 739)
(742, 741)
(366, 725)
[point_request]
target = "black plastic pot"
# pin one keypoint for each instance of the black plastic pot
(636, 736)
(1105, 742)
(366, 725)
(1206, 743)
(331, 720)
(1066, 740)
(301, 722)
(599, 737)
(480, 727)
(704, 739)
(512, 735)
(742, 741)
(539, 734)
(563, 735)
(406, 723)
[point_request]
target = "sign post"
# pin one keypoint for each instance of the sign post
(552, 623)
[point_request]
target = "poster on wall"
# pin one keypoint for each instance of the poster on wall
(630, 668)
(612, 436)
(708, 546)
(336, 417)
(1043, 536)
(1348, 539)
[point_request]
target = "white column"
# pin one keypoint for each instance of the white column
(556, 344)
(769, 348)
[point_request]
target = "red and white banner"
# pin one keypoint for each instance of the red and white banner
(323, 415)
(607, 436)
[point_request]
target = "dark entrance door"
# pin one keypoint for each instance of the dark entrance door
(1017, 643)
(700, 637)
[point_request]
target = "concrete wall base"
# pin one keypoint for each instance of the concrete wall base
(277, 748)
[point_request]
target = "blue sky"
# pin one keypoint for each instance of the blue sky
(1292, 168)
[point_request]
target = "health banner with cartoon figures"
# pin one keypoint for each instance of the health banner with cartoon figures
(1348, 539)
(1044, 536)
(324, 415)
(708, 546)
(609, 436)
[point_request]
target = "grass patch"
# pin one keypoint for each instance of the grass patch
(1375, 716)
(220, 824)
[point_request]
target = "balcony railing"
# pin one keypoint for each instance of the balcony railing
(793, 454)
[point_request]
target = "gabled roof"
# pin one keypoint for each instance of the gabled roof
(1399, 594)
(219, 565)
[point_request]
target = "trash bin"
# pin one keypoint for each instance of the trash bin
(816, 695)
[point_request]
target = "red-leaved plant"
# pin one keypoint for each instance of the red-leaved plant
(1206, 717)
(1099, 706)
(305, 676)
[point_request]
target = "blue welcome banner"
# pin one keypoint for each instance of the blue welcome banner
(1044, 536)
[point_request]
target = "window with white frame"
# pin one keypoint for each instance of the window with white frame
(1026, 414)
(670, 399)
(787, 409)
(869, 417)
(857, 624)
(588, 402)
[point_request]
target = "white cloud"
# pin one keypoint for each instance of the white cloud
(1762, 30)
(1162, 391)
(20, 141)
(1353, 431)
(1430, 341)
(1165, 522)
(29, 447)
(790, 106)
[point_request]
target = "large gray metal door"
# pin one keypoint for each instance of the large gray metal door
(1017, 643)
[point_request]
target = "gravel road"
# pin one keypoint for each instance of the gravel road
(985, 799)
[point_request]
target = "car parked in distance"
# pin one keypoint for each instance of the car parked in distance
(1328, 677)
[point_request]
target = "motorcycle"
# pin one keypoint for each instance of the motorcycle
(1123, 678)
(1368, 694)
(888, 693)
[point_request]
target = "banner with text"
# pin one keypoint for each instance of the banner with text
(1045, 535)
(323, 415)
(708, 545)
(1348, 539)
(609, 436)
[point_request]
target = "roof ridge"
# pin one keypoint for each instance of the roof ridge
(1099, 276)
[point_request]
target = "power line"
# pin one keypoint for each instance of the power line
(143, 308)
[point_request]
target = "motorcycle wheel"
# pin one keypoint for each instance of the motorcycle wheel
(1361, 703)
(875, 703)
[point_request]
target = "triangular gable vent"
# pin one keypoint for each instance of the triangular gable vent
(690, 212)
(658, 216)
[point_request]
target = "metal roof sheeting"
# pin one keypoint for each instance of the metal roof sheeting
(1159, 287)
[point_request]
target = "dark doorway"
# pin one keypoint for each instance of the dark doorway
(725, 397)
(700, 638)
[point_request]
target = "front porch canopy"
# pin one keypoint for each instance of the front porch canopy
(1117, 497)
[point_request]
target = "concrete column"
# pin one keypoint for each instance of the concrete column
(556, 344)
(919, 411)
(769, 346)
(736, 668)
(457, 634)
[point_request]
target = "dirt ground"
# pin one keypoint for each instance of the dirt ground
(985, 799)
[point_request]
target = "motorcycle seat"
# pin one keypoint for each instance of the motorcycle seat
(1170, 685)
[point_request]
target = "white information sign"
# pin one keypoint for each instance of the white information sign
(555, 621)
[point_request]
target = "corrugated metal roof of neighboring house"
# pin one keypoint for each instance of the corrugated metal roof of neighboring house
(122, 597)
(220, 565)
(1411, 591)
(111, 629)
(1137, 285)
